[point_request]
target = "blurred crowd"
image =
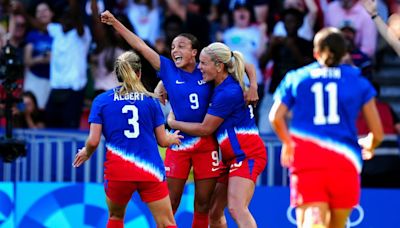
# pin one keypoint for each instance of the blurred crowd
(66, 54)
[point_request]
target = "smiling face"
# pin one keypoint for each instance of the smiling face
(207, 67)
(183, 54)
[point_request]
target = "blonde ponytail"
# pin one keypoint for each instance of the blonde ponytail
(233, 60)
(127, 68)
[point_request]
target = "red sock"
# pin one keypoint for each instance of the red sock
(115, 223)
(200, 220)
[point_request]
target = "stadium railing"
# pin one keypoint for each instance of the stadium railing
(50, 154)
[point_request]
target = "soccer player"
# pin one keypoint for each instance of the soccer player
(320, 147)
(132, 123)
(189, 96)
(243, 151)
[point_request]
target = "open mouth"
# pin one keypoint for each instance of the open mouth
(178, 59)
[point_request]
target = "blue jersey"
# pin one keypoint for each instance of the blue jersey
(325, 103)
(188, 94)
(128, 124)
(235, 133)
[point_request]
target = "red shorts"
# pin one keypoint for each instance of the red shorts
(120, 192)
(340, 189)
(205, 162)
(249, 168)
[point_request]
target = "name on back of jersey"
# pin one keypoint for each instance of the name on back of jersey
(133, 96)
(328, 72)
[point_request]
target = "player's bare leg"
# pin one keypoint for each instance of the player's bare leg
(116, 214)
(203, 192)
(162, 212)
(339, 217)
(218, 204)
(240, 192)
(175, 188)
(313, 215)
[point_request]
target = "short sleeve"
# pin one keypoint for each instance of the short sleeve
(158, 114)
(95, 115)
(284, 92)
(166, 65)
(368, 90)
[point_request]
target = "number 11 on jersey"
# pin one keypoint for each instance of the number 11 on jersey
(319, 117)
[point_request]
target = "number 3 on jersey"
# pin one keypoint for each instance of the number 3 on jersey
(132, 121)
(319, 117)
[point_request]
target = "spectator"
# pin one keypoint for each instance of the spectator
(352, 10)
(194, 20)
(288, 52)
(355, 55)
(68, 66)
(109, 45)
(144, 15)
(284, 54)
(320, 146)
(27, 113)
(391, 31)
(37, 56)
(383, 171)
(250, 40)
(309, 9)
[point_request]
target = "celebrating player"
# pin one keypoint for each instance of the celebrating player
(243, 151)
(320, 148)
(189, 96)
(132, 123)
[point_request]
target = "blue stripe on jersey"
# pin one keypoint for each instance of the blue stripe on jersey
(353, 154)
(147, 166)
(240, 131)
(239, 154)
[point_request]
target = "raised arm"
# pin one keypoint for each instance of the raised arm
(251, 95)
(91, 144)
(133, 40)
(385, 31)
(207, 127)
(99, 32)
(76, 17)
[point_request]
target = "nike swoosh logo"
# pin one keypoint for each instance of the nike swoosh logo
(232, 170)
(214, 169)
(201, 82)
(179, 82)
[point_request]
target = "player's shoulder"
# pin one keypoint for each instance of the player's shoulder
(302, 73)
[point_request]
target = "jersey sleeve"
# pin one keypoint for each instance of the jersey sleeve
(284, 92)
(95, 115)
(166, 65)
(368, 90)
(158, 117)
(223, 104)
